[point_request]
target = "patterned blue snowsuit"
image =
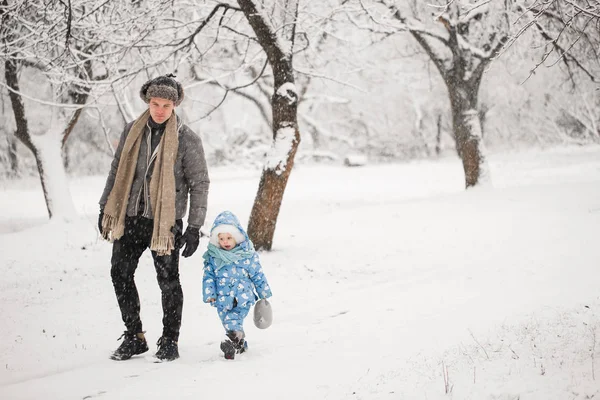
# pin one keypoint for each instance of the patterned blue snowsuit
(232, 284)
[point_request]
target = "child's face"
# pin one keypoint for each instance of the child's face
(226, 241)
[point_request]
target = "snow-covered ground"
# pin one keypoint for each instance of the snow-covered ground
(390, 282)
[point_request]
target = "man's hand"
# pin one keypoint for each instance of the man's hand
(191, 239)
(100, 217)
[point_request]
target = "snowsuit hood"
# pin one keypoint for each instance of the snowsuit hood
(228, 222)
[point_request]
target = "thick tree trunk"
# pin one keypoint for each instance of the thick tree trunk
(286, 137)
(467, 131)
(47, 155)
(275, 175)
(462, 72)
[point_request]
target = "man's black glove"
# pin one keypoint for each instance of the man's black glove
(191, 239)
(100, 220)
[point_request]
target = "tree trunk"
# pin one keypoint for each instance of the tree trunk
(286, 136)
(419, 127)
(48, 156)
(53, 180)
(275, 175)
(13, 156)
(483, 111)
(66, 160)
(438, 138)
(467, 130)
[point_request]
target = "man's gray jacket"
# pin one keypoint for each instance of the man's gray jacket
(191, 176)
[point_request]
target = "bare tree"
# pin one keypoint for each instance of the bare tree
(78, 50)
(569, 38)
(11, 158)
(254, 81)
(11, 32)
(461, 41)
(275, 32)
(47, 39)
(570, 34)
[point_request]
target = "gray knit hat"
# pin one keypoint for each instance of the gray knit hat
(164, 87)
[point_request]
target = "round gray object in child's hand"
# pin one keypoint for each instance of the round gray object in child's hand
(263, 314)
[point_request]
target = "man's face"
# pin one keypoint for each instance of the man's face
(161, 109)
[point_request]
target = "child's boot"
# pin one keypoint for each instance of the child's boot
(234, 343)
(238, 340)
(228, 349)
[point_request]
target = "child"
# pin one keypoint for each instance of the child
(232, 272)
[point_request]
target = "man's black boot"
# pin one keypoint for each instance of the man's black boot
(133, 344)
(167, 349)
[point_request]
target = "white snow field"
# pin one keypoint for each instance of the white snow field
(389, 282)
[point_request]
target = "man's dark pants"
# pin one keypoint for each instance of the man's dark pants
(125, 256)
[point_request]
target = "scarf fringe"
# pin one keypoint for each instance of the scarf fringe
(163, 245)
(110, 228)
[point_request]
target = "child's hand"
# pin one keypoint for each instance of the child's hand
(211, 300)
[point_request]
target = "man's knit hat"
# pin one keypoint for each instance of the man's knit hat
(164, 87)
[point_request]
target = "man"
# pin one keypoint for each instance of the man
(158, 163)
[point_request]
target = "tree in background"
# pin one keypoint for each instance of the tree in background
(23, 32)
(9, 157)
(248, 77)
(461, 40)
(275, 31)
(60, 51)
(63, 57)
(569, 32)
(569, 37)
(346, 98)
(94, 46)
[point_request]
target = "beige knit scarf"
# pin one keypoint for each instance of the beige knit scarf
(162, 186)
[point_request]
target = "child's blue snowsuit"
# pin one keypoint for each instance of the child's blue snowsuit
(231, 277)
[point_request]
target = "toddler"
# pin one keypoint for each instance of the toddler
(233, 279)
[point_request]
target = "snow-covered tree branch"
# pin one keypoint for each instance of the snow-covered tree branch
(461, 40)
